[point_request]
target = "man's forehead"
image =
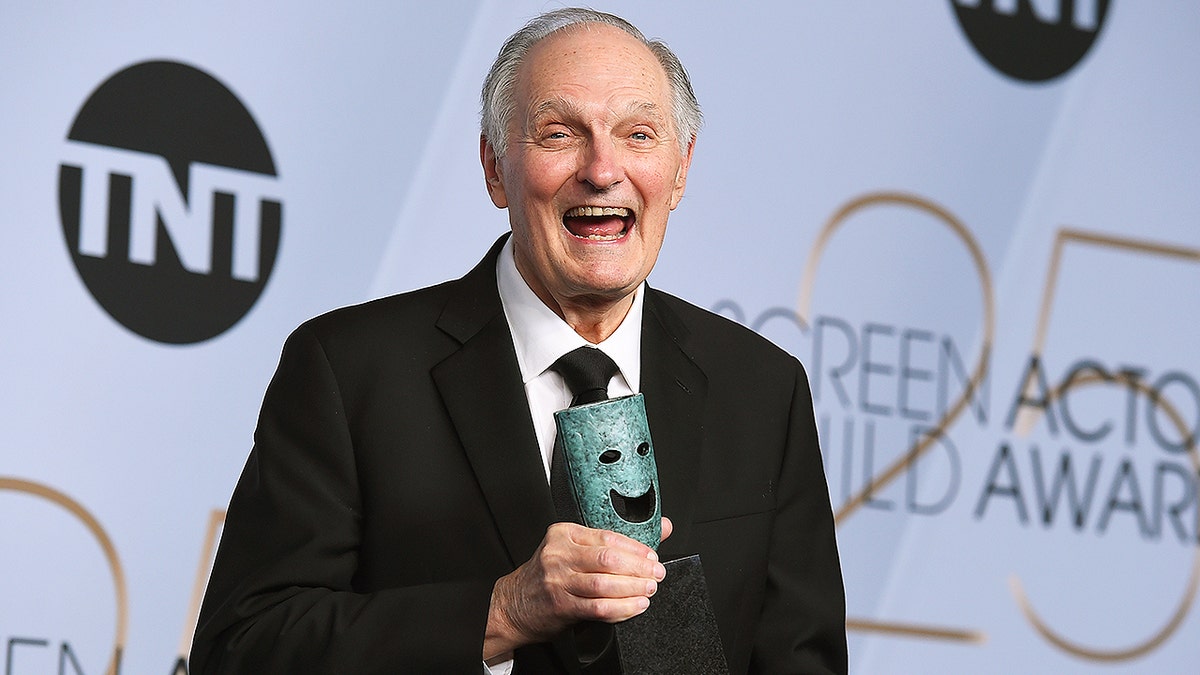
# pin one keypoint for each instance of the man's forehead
(582, 44)
(558, 105)
(592, 56)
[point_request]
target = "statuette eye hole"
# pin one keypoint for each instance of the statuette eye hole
(610, 456)
(643, 449)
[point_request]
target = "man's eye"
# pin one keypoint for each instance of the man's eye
(640, 136)
(556, 135)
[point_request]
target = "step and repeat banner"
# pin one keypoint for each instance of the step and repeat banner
(977, 223)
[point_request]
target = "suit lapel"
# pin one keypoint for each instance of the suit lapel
(675, 389)
(481, 387)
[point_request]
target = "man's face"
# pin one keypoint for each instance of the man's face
(593, 166)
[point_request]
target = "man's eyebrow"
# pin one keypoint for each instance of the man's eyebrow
(554, 104)
(648, 107)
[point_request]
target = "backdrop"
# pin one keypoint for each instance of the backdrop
(975, 222)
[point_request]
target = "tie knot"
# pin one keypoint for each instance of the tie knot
(586, 371)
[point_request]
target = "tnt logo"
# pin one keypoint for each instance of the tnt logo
(1031, 40)
(169, 202)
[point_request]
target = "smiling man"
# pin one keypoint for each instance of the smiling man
(395, 514)
(590, 165)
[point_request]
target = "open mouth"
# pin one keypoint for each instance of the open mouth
(598, 223)
(633, 509)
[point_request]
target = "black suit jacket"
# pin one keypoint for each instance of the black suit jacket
(395, 476)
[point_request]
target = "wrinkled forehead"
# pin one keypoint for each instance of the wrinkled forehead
(594, 58)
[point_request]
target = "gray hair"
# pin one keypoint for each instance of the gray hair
(497, 104)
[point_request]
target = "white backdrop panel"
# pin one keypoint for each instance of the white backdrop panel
(1067, 207)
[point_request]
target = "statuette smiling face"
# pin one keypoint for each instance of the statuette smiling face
(610, 459)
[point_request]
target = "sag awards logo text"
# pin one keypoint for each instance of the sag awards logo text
(1081, 446)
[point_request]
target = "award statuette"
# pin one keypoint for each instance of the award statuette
(610, 462)
(614, 482)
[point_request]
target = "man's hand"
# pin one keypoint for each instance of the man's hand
(576, 574)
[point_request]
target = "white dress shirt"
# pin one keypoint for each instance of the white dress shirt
(540, 336)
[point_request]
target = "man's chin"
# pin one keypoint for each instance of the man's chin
(612, 287)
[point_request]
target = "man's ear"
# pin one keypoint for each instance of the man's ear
(491, 173)
(681, 176)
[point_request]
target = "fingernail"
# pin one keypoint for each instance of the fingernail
(660, 572)
(651, 588)
(652, 555)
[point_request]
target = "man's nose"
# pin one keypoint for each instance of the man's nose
(600, 165)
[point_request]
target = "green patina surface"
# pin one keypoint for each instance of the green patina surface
(608, 449)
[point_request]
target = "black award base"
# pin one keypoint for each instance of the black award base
(678, 633)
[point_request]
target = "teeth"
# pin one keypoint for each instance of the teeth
(598, 211)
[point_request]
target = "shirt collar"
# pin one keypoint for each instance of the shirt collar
(540, 336)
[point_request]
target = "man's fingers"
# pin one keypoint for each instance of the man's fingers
(577, 573)
(612, 610)
(610, 560)
(589, 550)
(586, 536)
(611, 586)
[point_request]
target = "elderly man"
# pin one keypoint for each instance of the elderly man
(394, 514)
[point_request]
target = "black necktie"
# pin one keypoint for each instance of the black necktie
(586, 371)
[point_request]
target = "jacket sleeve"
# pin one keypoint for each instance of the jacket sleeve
(282, 595)
(803, 624)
